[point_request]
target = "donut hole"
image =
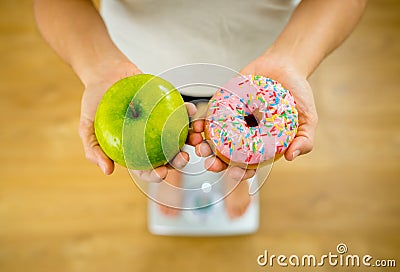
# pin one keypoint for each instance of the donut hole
(251, 120)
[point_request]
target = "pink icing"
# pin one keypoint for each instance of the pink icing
(244, 142)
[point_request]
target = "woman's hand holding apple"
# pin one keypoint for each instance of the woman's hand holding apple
(94, 91)
(95, 87)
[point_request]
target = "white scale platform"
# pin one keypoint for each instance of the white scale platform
(211, 220)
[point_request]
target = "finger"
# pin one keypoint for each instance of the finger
(214, 164)
(104, 162)
(155, 175)
(203, 150)
(148, 175)
(240, 174)
(92, 149)
(191, 108)
(180, 160)
(194, 138)
(198, 125)
(302, 143)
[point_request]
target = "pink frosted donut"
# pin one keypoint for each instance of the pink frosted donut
(250, 120)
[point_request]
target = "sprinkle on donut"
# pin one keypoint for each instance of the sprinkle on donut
(251, 119)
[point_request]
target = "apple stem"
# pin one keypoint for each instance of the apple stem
(132, 108)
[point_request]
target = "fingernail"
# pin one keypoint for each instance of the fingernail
(296, 153)
(204, 149)
(235, 178)
(102, 167)
(180, 164)
(208, 162)
(233, 174)
(156, 177)
(199, 149)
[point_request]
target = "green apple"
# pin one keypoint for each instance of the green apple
(141, 122)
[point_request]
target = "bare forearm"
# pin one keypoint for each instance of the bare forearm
(75, 30)
(315, 29)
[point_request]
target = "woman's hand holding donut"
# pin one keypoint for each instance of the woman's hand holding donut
(298, 85)
(296, 82)
(308, 37)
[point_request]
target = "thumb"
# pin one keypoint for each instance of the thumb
(303, 142)
(93, 151)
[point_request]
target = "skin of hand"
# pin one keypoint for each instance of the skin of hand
(301, 90)
(298, 85)
(92, 95)
(94, 91)
(313, 31)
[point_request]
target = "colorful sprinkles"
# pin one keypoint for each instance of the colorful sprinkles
(277, 119)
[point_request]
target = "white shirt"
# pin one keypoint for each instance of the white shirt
(157, 35)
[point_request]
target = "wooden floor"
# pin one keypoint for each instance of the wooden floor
(59, 213)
